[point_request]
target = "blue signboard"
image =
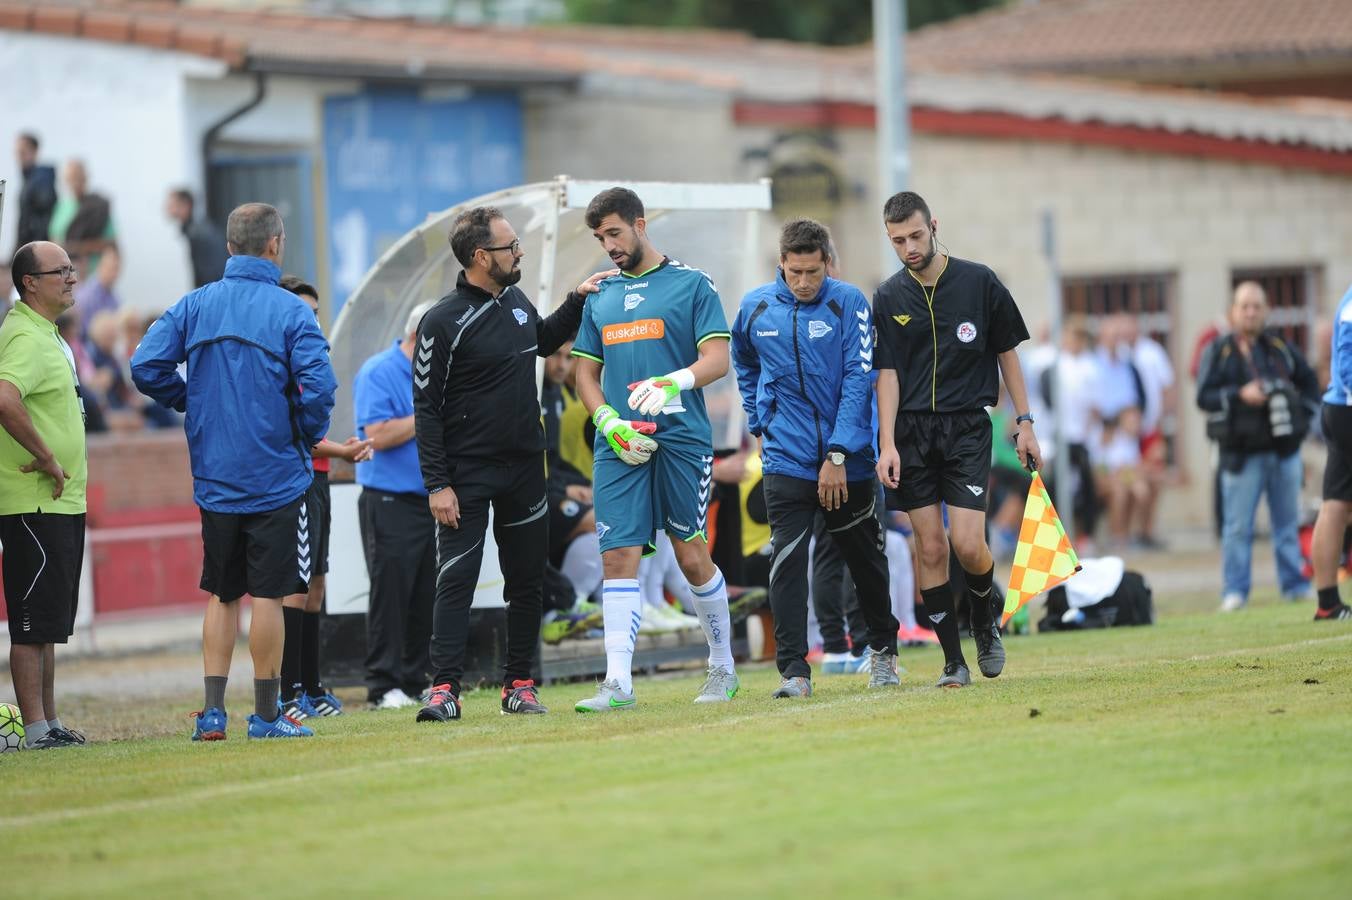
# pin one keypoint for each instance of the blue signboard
(393, 156)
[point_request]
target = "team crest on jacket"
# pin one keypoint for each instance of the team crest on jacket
(521, 316)
(966, 332)
(817, 329)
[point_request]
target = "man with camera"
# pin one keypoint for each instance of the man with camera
(1258, 392)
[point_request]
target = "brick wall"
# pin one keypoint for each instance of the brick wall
(140, 478)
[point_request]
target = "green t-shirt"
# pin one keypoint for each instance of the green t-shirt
(35, 359)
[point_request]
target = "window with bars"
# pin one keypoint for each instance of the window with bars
(1292, 294)
(1147, 298)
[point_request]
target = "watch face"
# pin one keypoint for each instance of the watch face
(836, 458)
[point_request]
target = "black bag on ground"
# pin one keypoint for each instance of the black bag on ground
(1131, 604)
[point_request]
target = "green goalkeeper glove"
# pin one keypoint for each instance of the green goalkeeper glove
(628, 439)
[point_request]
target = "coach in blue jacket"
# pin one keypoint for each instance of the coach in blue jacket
(258, 396)
(803, 350)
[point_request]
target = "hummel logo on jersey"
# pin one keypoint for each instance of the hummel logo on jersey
(817, 329)
(631, 301)
(464, 316)
(677, 526)
(774, 333)
(976, 491)
(938, 617)
(636, 285)
(521, 317)
(903, 321)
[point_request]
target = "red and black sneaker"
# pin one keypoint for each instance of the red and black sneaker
(442, 705)
(1341, 611)
(521, 698)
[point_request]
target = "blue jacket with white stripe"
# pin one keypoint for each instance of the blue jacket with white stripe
(259, 390)
(804, 372)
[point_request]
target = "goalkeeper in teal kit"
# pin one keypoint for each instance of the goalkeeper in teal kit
(649, 340)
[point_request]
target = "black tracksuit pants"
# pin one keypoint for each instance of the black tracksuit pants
(834, 596)
(398, 538)
(517, 492)
(792, 506)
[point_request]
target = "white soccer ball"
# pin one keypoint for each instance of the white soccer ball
(11, 728)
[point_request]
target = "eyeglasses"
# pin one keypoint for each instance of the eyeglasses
(64, 272)
(514, 246)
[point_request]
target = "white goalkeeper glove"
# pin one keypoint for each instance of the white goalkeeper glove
(661, 395)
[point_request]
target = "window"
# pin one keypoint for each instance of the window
(1148, 298)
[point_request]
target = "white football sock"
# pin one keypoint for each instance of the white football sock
(711, 605)
(620, 606)
(582, 564)
(901, 580)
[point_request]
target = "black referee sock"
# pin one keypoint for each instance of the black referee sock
(1328, 598)
(309, 654)
(265, 698)
(939, 608)
(979, 596)
(291, 651)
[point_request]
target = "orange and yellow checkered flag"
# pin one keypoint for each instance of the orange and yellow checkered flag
(1045, 557)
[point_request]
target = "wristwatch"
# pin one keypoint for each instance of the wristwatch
(1026, 417)
(836, 457)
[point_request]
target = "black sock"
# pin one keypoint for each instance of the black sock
(291, 652)
(1328, 598)
(979, 596)
(939, 608)
(309, 654)
(215, 692)
(265, 698)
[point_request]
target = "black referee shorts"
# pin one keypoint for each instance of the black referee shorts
(1337, 426)
(265, 554)
(944, 456)
(320, 507)
(43, 556)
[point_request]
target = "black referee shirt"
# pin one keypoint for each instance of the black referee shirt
(943, 346)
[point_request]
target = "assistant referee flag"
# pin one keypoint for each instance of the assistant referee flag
(1044, 557)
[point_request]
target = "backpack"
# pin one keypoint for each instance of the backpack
(1131, 604)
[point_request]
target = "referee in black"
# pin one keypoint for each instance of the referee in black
(476, 415)
(944, 326)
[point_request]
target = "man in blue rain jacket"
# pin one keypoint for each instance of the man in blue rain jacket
(803, 350)
(258, 395)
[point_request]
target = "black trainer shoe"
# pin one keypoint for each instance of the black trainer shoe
(442, 706)
(52, 740)
(990, 650)
(1341, 611)
(71, 735)
(521, 699)
(955, 675)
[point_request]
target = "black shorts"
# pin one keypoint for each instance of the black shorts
(319, 506)
(1337, 425)
(944, 456)
(43, 556)
(564, 514)
(265, 554)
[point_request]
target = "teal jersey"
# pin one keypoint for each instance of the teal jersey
(645, 326)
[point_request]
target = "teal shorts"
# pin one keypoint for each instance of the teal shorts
(668, 493)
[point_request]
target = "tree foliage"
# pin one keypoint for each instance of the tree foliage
(815, 21)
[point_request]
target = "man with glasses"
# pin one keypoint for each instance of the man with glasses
(481, 442)
(43, 469)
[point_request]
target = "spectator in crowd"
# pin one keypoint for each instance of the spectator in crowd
(1258, 392)
(1118, 401)
(258, 395)
(43, 471)
(1156, 373)
(68, 326)
(1068, 387)
(109, 382)
(95, 294)
(574, 548)
(303, 693)
(37, 197)
(82, 221)
(827, 466)
(206, 244)
(398, 533)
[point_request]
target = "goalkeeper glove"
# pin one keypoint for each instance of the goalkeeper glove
(661, 395)
(628, 439)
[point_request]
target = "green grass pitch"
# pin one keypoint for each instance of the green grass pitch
(1204, 757)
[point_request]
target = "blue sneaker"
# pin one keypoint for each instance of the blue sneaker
(281, 727)
(299, 708)
(845, 663)
(325, 704)
(209, 725)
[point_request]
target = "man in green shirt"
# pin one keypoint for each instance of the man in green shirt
(43, 469)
